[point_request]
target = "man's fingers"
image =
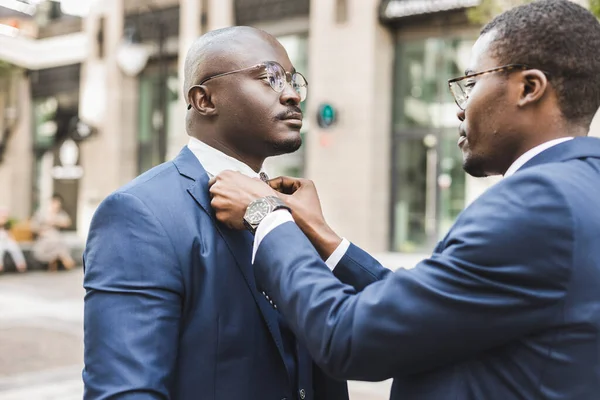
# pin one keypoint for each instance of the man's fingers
(214, 188)
(276, 183)
(215, 203)
(285, 184)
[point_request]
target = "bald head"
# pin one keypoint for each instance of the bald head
(220, 51)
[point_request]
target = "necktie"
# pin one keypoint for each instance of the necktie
(265, 178)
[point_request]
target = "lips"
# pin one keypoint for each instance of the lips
(462, 137)
(293, 120)
(293, 116)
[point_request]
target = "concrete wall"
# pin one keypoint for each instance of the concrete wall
(16, 169)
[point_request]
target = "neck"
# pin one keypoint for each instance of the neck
(253, 162)
(557, 131)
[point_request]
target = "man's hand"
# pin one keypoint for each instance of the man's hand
(231, 194)
(301, 196)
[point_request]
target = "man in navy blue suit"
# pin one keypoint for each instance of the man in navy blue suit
(172, 310)
(508, 304)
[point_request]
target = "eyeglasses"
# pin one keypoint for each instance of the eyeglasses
(461, 87)
(277, 77)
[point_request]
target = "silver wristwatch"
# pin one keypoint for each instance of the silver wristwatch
(260, 208)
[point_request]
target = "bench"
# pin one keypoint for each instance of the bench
(76, 246)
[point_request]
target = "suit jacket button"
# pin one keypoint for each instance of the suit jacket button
(302, 394)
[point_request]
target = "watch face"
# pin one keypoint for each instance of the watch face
(257, 211)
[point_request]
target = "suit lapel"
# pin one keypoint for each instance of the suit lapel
(239, 243)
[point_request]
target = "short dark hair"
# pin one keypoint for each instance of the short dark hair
(58, 197)
(562, 38)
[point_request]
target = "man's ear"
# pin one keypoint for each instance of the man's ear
(200, 99)
(534, 85)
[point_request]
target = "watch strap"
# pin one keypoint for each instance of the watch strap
(277, 204)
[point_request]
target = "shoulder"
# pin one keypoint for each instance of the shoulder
(550, 187)
(525, 207)
(155, 180)
(523, 221)
(540, 189)
(155, 189)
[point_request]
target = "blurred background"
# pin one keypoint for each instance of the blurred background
(90, 97)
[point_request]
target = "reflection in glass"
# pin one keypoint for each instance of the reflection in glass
(151, 118)
(429, 183)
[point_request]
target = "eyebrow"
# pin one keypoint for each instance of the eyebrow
(469, 72)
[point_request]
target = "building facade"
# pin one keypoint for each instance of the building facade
(380, 126)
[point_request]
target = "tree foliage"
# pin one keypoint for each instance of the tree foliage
(595, 7)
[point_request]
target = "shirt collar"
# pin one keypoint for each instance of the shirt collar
(215, 161)
(532, 153)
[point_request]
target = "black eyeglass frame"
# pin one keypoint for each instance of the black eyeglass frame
(504, 68)
(289, 76)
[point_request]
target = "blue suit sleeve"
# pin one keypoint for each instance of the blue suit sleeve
(132, 304)
(502, 275)
(359, 269)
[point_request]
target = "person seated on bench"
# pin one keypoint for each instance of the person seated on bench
(50, 247)
(9, 245)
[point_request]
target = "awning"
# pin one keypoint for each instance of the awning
(44, 53)
(395, 9)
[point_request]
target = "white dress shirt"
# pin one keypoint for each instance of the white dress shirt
(279, 217)
(215, 161)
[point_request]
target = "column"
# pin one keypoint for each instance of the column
(190, 28)
(109, 103)
(351, 67)
(16, 169)
(221, 14)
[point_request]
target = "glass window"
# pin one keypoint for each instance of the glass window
(52, 119)
(44, 122)
(154, 122)
(428, 183)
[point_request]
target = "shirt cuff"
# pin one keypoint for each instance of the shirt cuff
(270, 222)
(335, 257)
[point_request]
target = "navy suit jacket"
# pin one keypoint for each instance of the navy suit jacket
(171, 308)
(507, 307)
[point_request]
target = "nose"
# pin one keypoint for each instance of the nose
(461, 114)
(289, 96)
